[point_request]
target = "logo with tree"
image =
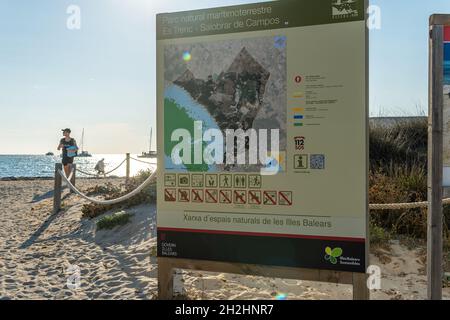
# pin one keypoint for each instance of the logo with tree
(332, 254)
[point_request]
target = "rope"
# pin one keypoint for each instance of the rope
(398, 206)
(87, 173)
(71, 174)
(111, 171)
(106, 173)
(113, 201)
(140, 160)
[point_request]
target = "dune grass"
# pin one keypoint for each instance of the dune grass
(398, 173)
(111, 221)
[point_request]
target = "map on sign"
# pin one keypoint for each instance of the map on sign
(262, 127)
(232, 84)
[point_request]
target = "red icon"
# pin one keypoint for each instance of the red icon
(285, 198)
(183, 195)
(197, 195)
(298, 79)
(170, 195)
(254, 197)
(225, 196)
(240, 197)
(211, 196)
(270, 198)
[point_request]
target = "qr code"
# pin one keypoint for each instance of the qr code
(318, 161)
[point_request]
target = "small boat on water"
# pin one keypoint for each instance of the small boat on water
(49, 153)
(83, 153)
(149, 153)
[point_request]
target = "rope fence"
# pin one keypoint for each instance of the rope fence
(111, 171)
(399, 206)
(106, 173)
(140, 160)
(112, 201)
(70, 181)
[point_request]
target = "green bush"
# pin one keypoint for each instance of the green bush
(378, 236)
(114, 220)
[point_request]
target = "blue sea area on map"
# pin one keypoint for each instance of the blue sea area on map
(195, 111)
(192, 108)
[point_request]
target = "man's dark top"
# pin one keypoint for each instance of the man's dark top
(66, 159)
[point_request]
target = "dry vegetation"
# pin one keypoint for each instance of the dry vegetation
(148, 195)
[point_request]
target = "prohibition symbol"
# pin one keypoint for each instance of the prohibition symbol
(270, 198)
(285, 198)
(197, 195)
(225, 196)
(240, 197)
(211, 196)
(183, 195)
(254, 197)
(170, 195)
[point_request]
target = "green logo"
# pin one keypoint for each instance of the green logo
(332, 255)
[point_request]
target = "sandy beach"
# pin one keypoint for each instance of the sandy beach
(37, 249)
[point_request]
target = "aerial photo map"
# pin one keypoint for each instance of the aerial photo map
(233, 84)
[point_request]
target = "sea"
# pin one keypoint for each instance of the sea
(42, 166)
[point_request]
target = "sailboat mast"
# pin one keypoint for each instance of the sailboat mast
(82, 141)
(151, 132)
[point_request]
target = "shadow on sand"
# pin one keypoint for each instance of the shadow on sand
(33, 238)
(48, 195)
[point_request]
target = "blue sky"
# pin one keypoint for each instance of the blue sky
(102, 77)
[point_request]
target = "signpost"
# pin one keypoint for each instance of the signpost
(438, 146)
(263, 116)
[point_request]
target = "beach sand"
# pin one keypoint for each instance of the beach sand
(37, 248)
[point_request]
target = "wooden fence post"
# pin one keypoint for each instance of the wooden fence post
(360, 288)
(165, 279)
(73, 179)
(57, 189)
(435, 163)
(128, 168)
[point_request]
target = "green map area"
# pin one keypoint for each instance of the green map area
(176, 118)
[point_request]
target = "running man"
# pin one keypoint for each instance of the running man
(69, 148)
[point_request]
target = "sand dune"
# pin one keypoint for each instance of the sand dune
(37, 248)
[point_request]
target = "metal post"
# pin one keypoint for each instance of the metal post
(57, 189)
(73, 179)
(128, 168)
(435, 164)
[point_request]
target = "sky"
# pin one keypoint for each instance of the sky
(102, 77)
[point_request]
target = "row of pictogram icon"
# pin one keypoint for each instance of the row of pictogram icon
(198, 180)
(240, 197)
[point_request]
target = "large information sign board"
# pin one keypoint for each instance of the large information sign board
(446, 68)
(262, 134)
